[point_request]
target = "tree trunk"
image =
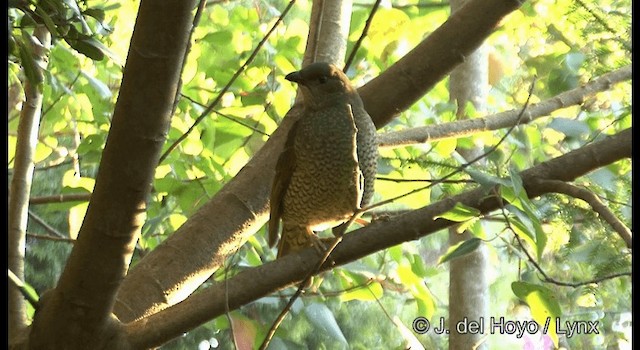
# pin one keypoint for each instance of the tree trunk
(468, 287)
(77, 313)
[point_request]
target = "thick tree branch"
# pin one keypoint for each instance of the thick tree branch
(263, 280)
(506, 119)
(77, 313)
(187, 258)
(593, 200)
(397, 88)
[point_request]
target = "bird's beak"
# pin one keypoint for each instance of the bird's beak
(294, 77)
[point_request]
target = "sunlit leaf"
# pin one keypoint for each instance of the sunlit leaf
(370, 292)
(445, 147)
(425, 301)
(543, 303)
(72, 180)
(459, 213)
(42, 152)
(586, 300)
(523, 228)
(76, 217)
(176, 220)
(395, 252)
(407, 276)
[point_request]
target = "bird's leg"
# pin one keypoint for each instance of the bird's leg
(317, 243)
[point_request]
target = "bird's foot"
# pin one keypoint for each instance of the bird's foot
(323, 245)
(318, 244)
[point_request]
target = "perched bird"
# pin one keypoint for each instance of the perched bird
(328, 166)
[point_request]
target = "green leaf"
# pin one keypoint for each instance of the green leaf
(395, 252)
(523, 228)
(425, 301)
(417, 265)
(407, 276)
(570, 127)
(87, 47)
(574, 60)
(105, 50)
(48, 22)
(77, 16)
(460, 249)
(463, 226)
(371, 292)
(103, 90)
(29, 64)
(485, 179)
(561, 80)
(459, 213)
(526, 212)
(96, 13)
(516, 182)
(322, 317)
(543, 303)
(91, 143)
(30, 291)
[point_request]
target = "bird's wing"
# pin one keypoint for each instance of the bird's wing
(284, 169)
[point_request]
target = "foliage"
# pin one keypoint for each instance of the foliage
(562, 43)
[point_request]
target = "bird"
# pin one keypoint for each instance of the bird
(326, 171)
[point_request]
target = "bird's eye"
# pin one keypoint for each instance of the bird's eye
(322, 79)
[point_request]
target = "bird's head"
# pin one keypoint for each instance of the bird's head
(322, 83)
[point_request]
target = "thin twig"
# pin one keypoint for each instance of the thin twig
(226, 301)
(46, 226)
(195, 23)
(333, 293)
(434, 4)
(465, 181)
(228, 86)
(604, 23)
(545, 277)
(73, 82)
(23, 289)
(60, 198)
(51, 238)
(226, 116)
(54, 164)
(464, 165)
(380, 304)
(363, 35)
(593, 200)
